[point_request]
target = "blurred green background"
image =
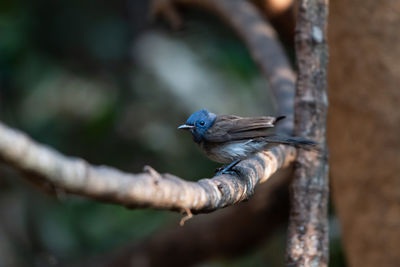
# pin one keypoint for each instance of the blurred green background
(103, 81)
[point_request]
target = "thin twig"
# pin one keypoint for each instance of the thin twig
(188, 216)
(308, 226)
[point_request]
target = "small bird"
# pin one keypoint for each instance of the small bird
(229, 139)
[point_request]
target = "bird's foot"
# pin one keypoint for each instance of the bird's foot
(227, 169)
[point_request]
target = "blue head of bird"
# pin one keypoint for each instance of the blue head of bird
(198, 123)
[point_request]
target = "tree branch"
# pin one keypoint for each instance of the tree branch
(148, 189)
(166, 191)
(308, 226)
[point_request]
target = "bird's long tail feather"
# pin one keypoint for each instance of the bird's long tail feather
(298, 142)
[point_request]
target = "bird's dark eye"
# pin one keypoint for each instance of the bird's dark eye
(202, 123)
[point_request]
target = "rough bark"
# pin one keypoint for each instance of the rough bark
(364, 128)
(308, 222)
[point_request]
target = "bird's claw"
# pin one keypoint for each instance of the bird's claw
(227, 169)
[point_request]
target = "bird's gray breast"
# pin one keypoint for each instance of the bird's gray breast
(230, 151)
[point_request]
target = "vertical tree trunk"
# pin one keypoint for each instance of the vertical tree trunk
(308, 225)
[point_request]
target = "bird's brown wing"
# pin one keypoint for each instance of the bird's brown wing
(230, 128)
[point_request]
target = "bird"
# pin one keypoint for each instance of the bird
(228, 139)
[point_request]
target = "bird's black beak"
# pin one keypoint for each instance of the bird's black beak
(186, 127)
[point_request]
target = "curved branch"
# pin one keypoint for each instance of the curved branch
(148, 189)
(261, 40)
(166, 191)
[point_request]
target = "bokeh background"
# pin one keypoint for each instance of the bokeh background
(107, 82)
